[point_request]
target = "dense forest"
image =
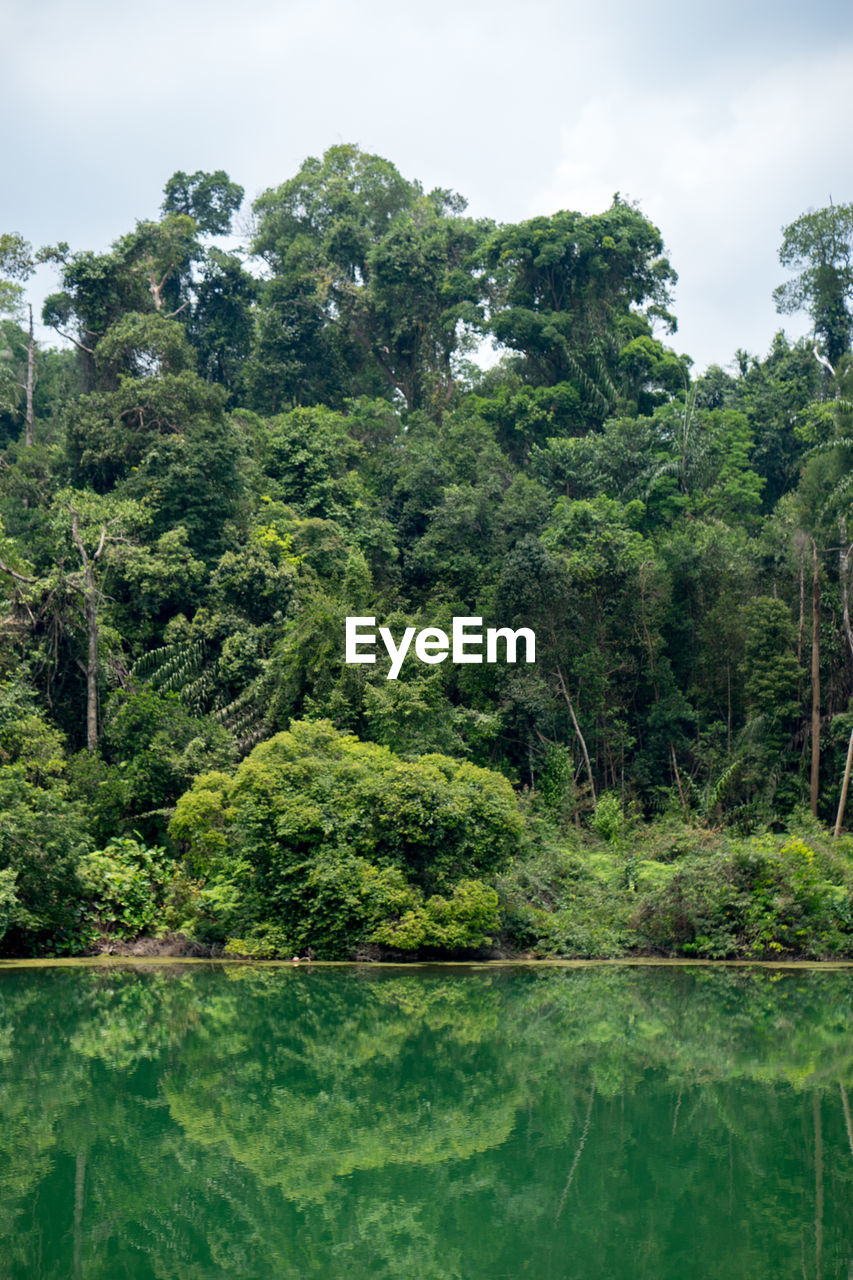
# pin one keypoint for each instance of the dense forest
(261, 422)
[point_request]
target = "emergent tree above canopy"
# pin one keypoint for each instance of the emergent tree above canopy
(819, 246)
(372, 279)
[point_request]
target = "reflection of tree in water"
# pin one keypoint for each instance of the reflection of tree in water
(411, 1074)
(557, 1123)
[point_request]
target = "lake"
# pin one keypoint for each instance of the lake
(242, 1122)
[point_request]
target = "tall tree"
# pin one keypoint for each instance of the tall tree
(158, 266)
(568, 289)
(370, 276)
(819, 247)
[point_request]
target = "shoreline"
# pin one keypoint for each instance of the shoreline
(102, 961)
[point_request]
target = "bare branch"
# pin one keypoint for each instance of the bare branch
(70, 338)
(78, 541)
(822, 360)
(155, 289)
(19, 577)
(103, 539)
(565, 693)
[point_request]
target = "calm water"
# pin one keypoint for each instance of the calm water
(239, 1123)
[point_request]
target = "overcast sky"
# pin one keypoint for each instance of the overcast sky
(724, 122)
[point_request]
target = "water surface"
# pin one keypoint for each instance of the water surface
(239, 1122)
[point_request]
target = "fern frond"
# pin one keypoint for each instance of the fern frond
(170, 668)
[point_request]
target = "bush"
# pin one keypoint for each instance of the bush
(565, 902)
(126, 885)
(608, 821)
(760, 898)
(329, 842)
(465, 920)
(42, 837)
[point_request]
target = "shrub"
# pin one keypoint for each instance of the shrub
(126, 884)
(465, 920)
(327, 840)
(42, 838)
(761, 897)
(608, 821)
(565, 902)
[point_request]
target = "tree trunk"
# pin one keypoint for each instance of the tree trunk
(843, 576)
(728, 709)
(815, 778)
(678, 783)
(90, 607)
(31, 364)
(581, 738)
(802, 615)
(91, 663)
(578, 1154)
(844, 787)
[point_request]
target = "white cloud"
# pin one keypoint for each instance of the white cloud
(720, 168)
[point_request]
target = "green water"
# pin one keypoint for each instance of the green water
(245, 1122)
